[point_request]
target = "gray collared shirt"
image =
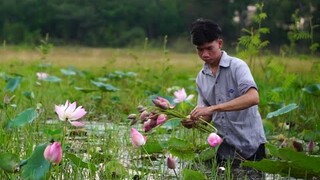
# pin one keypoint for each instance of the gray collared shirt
(242, 129)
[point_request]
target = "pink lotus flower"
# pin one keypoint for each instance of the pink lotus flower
(69, 112)
(181, 95)
(162, 103)
(53, 153)
(137, 138)
(171, 162)
(161, 119)
(214, 140)
(42, 75)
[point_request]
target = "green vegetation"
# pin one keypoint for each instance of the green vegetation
(110, 83)
(122, 23)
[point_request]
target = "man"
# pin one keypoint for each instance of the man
(227, 94)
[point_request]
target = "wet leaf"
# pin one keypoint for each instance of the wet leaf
(13, 83)
(68, 72)
(23, 118)
(290, 163)
(207, 154)
(153, 146)
(171, 123)
(36, 167)
(85, 90)
(268, 166)
(52, 79)
(273, 150)
(302, 161)
(183, 149)
(104, 86)
(282, 110)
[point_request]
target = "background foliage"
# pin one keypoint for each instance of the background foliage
(122, 23)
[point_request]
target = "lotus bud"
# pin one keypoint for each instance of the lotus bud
(53, 153)
(214, 140)
(171, 162)
(161, 119)
(311, 146)
(7, 100)
(144, 116)
(297, 145)
(149, 124)
(132, 116)
(153, 115)
(141, 108)
(146, 125)
(137, 138)
(161, 103)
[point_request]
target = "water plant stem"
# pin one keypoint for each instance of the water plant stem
(175, 173)
(148, 157)
(205, 122)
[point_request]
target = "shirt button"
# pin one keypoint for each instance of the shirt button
(222, 117)
(216, 82)
(219, 100)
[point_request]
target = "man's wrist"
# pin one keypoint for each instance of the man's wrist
(212, 109)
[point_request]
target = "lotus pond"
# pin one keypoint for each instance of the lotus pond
(89, 100)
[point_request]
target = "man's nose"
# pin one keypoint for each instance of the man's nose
(204, 54)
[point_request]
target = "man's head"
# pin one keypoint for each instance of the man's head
(204, 31)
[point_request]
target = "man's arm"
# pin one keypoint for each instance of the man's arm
(250, 98)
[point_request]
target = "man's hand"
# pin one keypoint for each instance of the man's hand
(201, 112)
(189, 123)
(192, 122)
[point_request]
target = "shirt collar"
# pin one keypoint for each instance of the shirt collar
(224, 62)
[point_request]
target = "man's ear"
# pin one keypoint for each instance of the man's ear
(220, 42)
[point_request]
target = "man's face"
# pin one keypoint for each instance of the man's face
(210, 52)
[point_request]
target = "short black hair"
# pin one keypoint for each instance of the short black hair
(203, 31)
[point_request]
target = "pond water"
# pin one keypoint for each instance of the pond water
(106, 131)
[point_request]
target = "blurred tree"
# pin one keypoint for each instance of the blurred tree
(120, 23)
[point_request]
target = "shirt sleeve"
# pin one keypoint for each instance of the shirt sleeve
(245, 78)
(201, 102)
